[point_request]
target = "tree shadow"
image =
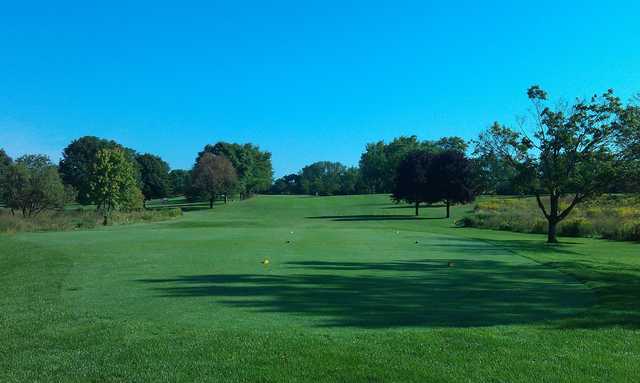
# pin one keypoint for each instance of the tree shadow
(426, 293)
(372, 217)
(407, 206)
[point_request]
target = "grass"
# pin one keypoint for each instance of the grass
(615, 217)
(357, 290)
(75, 218)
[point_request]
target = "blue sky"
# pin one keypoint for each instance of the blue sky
(306, 80)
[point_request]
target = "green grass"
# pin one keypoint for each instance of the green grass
(357, 289)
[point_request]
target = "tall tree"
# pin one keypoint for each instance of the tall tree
(214, 175)
(289, 184)
(322, 178)
(154, 176)
(253, 166)
(32, 184)
(379, 162)
(113, 183)
(450, 178)
(179, 181)
(411, 183)
(571, 152)
(78, 159)
(5, 162)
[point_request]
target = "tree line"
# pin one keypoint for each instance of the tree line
(104, 173)
(580, 150)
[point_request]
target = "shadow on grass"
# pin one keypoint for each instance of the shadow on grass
(426, 293)
(372, 217)
(406, 206)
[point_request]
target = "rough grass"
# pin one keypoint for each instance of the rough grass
(612, 217)
(356, 290)
(75, 219)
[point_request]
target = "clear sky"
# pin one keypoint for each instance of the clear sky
(306, 80)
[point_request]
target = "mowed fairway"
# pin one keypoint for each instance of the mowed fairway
(356, 289)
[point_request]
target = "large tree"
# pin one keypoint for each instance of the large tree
(379, 162)
(179, 181)
(322, 178)
(113, 184)
(78, 159)
(567, 152)
(411, 183)
(154, 176)
(214, 175)
(451, 179)
(253, 166)
(32, 184)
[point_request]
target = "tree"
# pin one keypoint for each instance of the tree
(322, 178)
(572, 151)
(351, 182)
(253, 166)
(32, 184)
(214, 175)
(78, 159)
(179, 181)
(113, 185)
(493, 174)
(450, 179)
(289, 184)
(411, 183)
(379, 162)
(154, 176)
(5, 162)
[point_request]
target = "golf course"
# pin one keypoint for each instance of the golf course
(316, 289)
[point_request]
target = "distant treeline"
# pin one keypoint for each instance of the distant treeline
(104, 173)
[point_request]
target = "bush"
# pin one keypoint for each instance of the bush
(577, 227)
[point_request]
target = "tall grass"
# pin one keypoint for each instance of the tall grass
(77, 219)
(615, 217)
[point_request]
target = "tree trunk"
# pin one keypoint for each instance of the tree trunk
(105, 219)
(225, 199)
(211, 203)
(448, 209)
(552, 232)
(554, 201)
(417, 207)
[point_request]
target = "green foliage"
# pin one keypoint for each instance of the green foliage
(379, 162)
(328, 178)
(572, 151)
(433, 176)
(78, 159)
(113, 184)
(32, 185)
(289, 184)
(411, 180)
(154, 176)
(214, 175)
(253, 166)
(179, 182)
